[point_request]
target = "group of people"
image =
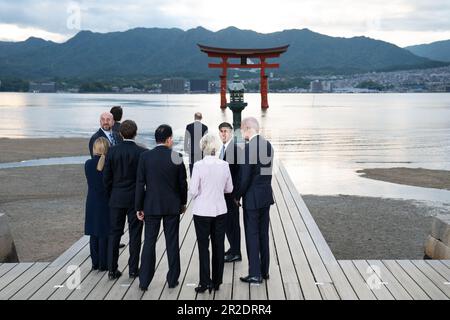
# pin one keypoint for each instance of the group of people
(129, 182)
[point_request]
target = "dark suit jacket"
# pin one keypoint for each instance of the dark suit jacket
(232, 154)
(99, 134)
(161, 187)
(194, 132)
(255, 175)
(119, 175)
(97, 209)
(116, 128)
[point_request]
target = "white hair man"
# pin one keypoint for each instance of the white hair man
(255, 188)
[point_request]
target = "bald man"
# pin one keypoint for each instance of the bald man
(106, 125)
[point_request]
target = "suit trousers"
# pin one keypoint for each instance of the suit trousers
(233, 229)
(214, 228)
(256, 224)
(99, 252)
(171, 225)
(117, 224)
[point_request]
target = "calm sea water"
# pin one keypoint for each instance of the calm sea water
(323, 138)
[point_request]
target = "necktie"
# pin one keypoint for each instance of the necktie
(111, 137)
(222, 152)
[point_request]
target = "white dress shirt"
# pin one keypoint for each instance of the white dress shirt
(211, 178)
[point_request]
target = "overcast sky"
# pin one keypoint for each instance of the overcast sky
(402, 22)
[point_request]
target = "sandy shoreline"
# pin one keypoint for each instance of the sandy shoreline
(14, 150)
(45, 208)
(419, 177)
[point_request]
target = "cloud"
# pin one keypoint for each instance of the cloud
(339, 17)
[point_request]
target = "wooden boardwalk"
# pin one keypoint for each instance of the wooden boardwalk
(302, 267)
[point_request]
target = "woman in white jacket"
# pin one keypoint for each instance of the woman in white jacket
(211, 179)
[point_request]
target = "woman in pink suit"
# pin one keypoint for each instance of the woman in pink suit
(211, 179)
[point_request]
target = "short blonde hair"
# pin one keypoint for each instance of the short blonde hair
(100, 148)
(209, 145)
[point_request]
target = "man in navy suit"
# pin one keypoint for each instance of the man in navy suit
(255, 187)
(161, 194)
(106, 125)
(194, 132)
(119, 178)
(229, 152)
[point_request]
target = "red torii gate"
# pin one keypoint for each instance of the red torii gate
(243, 54)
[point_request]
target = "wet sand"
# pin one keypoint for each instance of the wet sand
(13, 150)
(419, 177)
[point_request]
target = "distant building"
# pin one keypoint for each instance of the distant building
(47, 87)
(316, 86)
(175, 85)
(199, 86)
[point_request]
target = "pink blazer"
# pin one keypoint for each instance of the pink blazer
(211, 178)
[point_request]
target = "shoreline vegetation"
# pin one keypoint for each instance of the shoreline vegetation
(45, 207)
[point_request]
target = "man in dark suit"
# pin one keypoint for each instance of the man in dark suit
(229, 153)
(117, 113)
(255, 187)
(119, 178)
(194, 132)
(106, 124)
(161, 194)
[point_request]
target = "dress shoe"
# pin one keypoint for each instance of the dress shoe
(114, 274)
(227, 252)
(250, 279)
(266, 276)
(233, 258)
(143, 288)
(94, 268)
(122, 245)
(201, 289)
(134, 274)
(216, 287)
(171, 286)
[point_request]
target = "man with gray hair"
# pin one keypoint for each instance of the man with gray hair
(255, 188)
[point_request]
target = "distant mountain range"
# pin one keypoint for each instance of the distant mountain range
(439, 50)
(157, 52)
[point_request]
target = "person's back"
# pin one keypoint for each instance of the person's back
(120, 173)
(165, 188)
(210, 180)
(194, 132)
(161, 195)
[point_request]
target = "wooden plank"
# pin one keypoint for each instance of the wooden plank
(190, 280)
(440, 267)
(371, 277)
(413, 289)
(289, 212)
(446, 262)
(316, 235)
(6, 267)
(307, 262)
(71, 252)
(289, 274)
(305, 276)
(14, 273)
(14, 286)
(340, 282)
(393, 285)
(275, 283)
(426, 284)
(433, 275)
(60, 277)
(241, 290)
(358, 282)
